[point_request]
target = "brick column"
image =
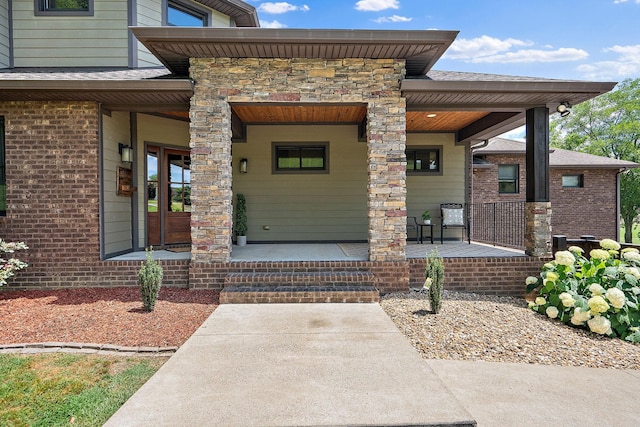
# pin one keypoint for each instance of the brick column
(211, 196)
(537, 238)
(387, 191)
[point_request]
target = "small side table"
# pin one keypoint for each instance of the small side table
(422, 227)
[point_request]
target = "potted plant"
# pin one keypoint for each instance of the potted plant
(426, 217)
(241, 220)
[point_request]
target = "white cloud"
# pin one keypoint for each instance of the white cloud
(281, 7)
(272, 24)
(624, 1)
(486, 49)
(627, 64)
(393, 18)
(376, 5)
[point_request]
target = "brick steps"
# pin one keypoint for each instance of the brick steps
(300, 287)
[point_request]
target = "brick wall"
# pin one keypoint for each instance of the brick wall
(575, 211)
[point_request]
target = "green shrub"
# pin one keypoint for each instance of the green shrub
(241, 216)
(150, 280)
(598, 293)
(434, 282)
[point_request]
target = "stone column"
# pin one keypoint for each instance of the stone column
(537, 238)
(211, 195)
(386, 128)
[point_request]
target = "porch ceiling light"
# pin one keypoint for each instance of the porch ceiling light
(564, 109)
(244, 163)
(126, 153)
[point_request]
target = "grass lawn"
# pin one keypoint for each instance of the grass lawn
(59, 389)
(636, 230)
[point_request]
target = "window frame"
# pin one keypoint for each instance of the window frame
(515, 180)
(438, 149)
(41, 10)
(580, 180)
(300, 145)
(188, 8)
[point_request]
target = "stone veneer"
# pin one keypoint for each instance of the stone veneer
(537, 238)
(220, 82)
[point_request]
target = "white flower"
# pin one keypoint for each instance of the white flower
(552, 312)
(600, 325)
(531, 280)
(576, 249)
(609, 244)
(540, 301)
(599, 254)
(631, 256)
(579, 317)
(567, 299)
(565, 258)
(625, 250)
(596, 289)
(633, 271)
(597, 304)
(616, 297)
(549, 265)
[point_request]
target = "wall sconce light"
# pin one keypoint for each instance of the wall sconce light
(564, 109)
(243, 165)
(126, 153)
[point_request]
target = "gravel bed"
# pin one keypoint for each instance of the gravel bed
(501, 329)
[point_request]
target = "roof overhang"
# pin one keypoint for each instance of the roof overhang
(507, 101)
(243, 14)
(173, 46)
(164, 94)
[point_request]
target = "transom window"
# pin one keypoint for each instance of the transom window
(64, 7)
(424, 160)
(300, 158)
(573, 181)
(508, 179)
(183, 14)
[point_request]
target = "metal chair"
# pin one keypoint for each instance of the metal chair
(453, 216)
(412, 224)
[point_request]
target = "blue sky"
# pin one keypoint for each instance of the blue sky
(571, 39)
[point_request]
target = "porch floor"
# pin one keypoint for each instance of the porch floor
(334, 252)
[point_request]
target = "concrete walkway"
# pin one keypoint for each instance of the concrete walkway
(294, 365)
(347, 364)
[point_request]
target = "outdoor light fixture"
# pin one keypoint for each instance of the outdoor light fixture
(243, 165)
(563, 109)
(126, 153)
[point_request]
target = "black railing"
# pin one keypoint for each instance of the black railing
(499, 224)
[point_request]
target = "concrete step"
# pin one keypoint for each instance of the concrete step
(303, 287)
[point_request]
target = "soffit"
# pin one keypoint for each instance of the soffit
(243, 14)
(173, 46)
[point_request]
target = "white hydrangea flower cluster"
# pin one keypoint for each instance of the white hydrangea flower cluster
(565, 258)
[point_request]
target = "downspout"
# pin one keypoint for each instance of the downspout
(618, 207)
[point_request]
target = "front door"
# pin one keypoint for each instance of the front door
(168, 193)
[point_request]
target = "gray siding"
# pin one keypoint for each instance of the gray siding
(117, 209)
(99, 40)
(304, 207)
(149, 14)
(5, 60)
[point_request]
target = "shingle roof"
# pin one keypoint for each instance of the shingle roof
(441, 75)
(83, 73)
(558, 158)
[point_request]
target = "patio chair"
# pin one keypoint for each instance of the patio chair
(452, 216)
(412, 224)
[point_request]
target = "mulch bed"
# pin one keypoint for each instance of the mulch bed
(103, 315)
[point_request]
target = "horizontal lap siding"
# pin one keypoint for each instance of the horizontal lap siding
(299, 207)
(149, 14)
(428, 192)
(4, 36)
(99, 40)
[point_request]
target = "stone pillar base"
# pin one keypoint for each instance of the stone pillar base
(537, 237)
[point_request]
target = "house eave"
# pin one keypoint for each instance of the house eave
(174, 46)
(243, 14)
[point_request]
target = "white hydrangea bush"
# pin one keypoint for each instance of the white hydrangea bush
(9, 266)
(598, 291)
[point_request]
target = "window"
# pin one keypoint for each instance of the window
(3, 175)
(508, 179)
(64, 7)
(183, 14)
(424, 160)
(573, 181)
(300, 158)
